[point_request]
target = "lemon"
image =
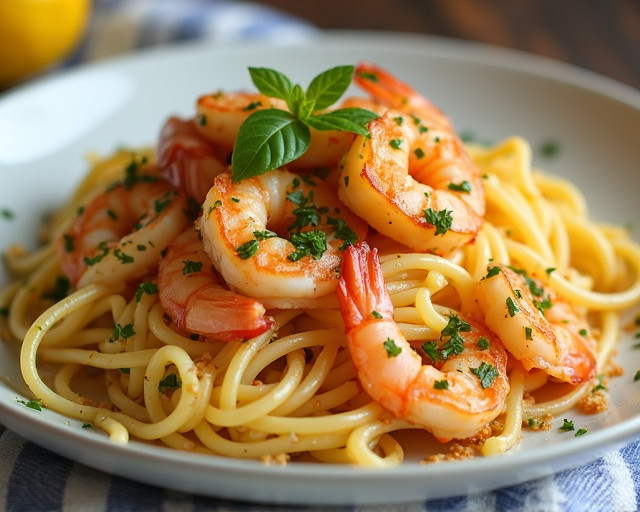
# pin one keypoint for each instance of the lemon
(35, 34)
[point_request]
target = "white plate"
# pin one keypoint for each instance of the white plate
(47, 127)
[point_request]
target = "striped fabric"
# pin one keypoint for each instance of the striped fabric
(34, 479)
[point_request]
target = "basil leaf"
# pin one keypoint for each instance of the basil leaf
(298, 103)
(346, 119)
(271, 83)
(268, 139)
(326, 88)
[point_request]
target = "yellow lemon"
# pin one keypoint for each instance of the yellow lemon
(35, 34)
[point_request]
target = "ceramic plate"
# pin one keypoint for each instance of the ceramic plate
(47, 128)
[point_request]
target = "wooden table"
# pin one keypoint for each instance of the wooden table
(598, 35)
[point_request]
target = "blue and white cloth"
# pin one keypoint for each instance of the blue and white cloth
(35, 479)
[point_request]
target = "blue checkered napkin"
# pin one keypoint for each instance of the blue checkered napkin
(34, 479)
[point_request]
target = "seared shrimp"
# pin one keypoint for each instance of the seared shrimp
(453, 398)
(412, 179)
(536, 325)
(221, 114)
(278, 237)
(195, 299)
(120, 234)
(188, 160)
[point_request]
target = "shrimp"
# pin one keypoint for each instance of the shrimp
(412, 179)
(195, 299)
(454, 398)
(188, 160)
(537, 326)
(278, 237)
(221, 114)
(121, 232)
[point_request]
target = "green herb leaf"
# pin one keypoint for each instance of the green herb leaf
(392, 349)
(268, 139)
(190, 267)
(441, 219)
(271, 83)
(441, 384)
(326, 88)
(567, 425)
(171, 381)
(312, 243)
(36, 405)
(486, 373)
(431, 349)
(345, 119)
(146, 287)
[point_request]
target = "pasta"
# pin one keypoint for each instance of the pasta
(107, 354)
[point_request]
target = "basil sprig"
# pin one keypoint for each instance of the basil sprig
(270, 138)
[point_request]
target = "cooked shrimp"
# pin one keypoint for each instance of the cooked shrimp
(195, 299)
(222, 113)
(453, 398)
(278, 237)
(120, 234)
(411, 179)
(536, 325)
(188, 160)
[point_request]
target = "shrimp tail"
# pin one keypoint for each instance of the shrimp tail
(209, 311)
(361, 289)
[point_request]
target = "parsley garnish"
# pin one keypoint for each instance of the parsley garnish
(309, 243)
(5, 213)
(122, 332)
(441, 384)
(36, 405)
(455, 344)
(395, 143)
(190, 267)
(493, 271)
(483, 343)
(146, 287)
(580, 432)
(375, 314)
(464, 186)
(486, 373)
(567, 425)
(60, 289)
(431, 349)
(511, 307)
(442, 219)
(636, 377)
(392, 349)
(171, 381)
(271, 138)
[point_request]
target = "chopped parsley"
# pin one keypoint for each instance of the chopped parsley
(511, 307)
(567, 425)
(36, 405)
(171, 381)
(442, 219)
(636, 377)
(190, 267)
(493, 271)
(455, 343)
(392, 349)
(395, 143)
(7, 214)
(464, 186)
(486, 373)
(146, 287)
(431, 349)
(309, 243)
(122, 332)
(441, 384)
(60, 289)
(483, 343)
(580, 432)
(377, 315)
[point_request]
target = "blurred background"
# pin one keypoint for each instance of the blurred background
(600, 35)
(36, 35)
